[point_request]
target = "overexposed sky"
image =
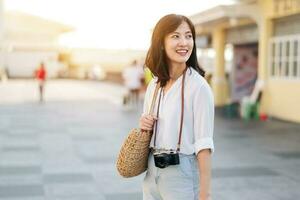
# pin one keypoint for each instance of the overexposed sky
(110, 24)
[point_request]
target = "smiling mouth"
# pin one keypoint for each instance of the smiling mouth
(182, 52)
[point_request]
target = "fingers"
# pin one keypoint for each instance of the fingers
(149, 118)
(153, 117)
(147, 122)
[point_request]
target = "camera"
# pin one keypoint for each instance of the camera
(164, 158)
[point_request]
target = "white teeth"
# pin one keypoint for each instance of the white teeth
(182, 51)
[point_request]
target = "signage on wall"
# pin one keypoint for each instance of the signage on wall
(244, 72)
(283, 7)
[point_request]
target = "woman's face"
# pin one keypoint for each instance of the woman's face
(179, 44)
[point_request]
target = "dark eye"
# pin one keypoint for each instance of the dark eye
(189, 36)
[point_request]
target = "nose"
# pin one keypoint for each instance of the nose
(183, 41)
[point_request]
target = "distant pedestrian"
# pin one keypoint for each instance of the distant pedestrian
(3, 74)
(40, 75)
(133, 77)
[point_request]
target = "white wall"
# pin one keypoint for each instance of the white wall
(23, 64)
(110, 60)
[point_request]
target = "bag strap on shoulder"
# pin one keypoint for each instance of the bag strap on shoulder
(154, 98)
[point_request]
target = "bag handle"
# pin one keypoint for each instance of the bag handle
(154, 98)
(153, 102)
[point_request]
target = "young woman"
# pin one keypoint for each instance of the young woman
(183, 95)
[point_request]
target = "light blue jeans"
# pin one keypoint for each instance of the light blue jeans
(175, 182)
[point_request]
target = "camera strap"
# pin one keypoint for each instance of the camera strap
(182, 112)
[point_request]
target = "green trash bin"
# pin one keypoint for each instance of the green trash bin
(251, 111)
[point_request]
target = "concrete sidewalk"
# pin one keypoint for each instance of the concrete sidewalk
(65, 149)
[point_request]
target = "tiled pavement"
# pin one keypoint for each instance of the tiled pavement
(65, 149)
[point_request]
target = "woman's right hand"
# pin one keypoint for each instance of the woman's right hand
(147, 122)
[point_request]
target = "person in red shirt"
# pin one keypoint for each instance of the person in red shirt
(40, 75)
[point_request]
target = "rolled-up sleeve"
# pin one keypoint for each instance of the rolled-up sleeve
(203, 111)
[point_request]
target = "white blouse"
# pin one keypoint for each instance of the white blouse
(198, 121)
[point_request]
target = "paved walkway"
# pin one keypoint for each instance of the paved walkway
(65, 149)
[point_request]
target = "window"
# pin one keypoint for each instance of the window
(284, 59)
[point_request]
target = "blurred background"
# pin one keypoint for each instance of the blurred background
(61, 127)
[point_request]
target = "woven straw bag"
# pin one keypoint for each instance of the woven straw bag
(134, 153)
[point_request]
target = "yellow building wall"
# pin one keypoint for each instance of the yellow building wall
(283, 97)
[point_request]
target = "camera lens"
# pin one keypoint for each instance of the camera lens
(161, 162)
(162, 165)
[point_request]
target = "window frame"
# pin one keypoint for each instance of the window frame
(282, 60)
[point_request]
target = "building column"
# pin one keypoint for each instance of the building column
(1, 21)
(2, 55)
(265, 28)
(219, 82)
(265, 33)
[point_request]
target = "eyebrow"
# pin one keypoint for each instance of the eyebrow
(185, 32)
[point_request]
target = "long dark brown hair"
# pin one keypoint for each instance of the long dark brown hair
(156, 59)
